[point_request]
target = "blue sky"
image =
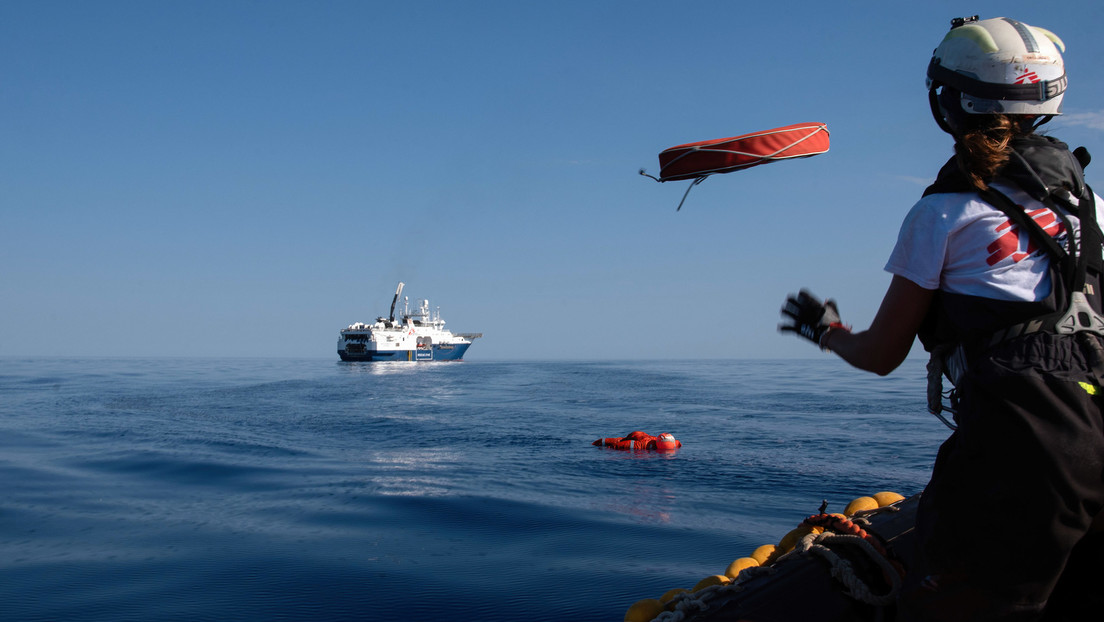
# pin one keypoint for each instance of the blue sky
(246, 178)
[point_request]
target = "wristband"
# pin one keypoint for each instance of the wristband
(823, 343)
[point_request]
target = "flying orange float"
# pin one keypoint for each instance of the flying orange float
(699, 160)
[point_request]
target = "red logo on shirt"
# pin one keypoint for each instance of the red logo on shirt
(1009, 244)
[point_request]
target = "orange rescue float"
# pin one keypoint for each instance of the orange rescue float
(697, 161)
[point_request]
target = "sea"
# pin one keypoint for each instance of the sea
(312, 489)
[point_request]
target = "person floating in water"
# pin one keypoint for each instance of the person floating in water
(640, 441)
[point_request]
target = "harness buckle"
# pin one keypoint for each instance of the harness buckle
(1079, 317)
(946, 359)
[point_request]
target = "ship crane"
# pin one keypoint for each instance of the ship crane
(398, 292)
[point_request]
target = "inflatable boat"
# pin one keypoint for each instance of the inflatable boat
(832, 567)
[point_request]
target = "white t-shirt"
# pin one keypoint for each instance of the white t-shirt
(958, 243)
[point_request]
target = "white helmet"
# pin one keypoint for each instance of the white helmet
(996, 66)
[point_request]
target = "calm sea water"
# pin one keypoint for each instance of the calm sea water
(255, 489)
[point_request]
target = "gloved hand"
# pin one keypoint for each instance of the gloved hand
(810, 318)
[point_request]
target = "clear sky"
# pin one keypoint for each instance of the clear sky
(246, 178)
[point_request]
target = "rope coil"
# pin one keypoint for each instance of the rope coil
(699, 602)
(844, 571)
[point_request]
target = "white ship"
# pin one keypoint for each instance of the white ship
(417, 336)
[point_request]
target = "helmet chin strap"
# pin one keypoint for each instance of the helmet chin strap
(937, 110)
(1042, 120)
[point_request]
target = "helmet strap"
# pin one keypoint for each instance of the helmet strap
(1042, 120)
(937, 111)
(940, 111)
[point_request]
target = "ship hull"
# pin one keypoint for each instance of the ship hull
(439, 352)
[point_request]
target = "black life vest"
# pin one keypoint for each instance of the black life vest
(959, 327)
(1044, 168)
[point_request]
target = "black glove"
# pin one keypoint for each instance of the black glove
(811, 318)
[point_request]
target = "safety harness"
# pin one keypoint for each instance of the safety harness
(959, 328)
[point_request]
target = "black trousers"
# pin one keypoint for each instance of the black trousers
(1005, 527)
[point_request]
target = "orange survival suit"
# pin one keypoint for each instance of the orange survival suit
(640, 441)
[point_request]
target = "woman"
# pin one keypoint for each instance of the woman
(987, 272)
